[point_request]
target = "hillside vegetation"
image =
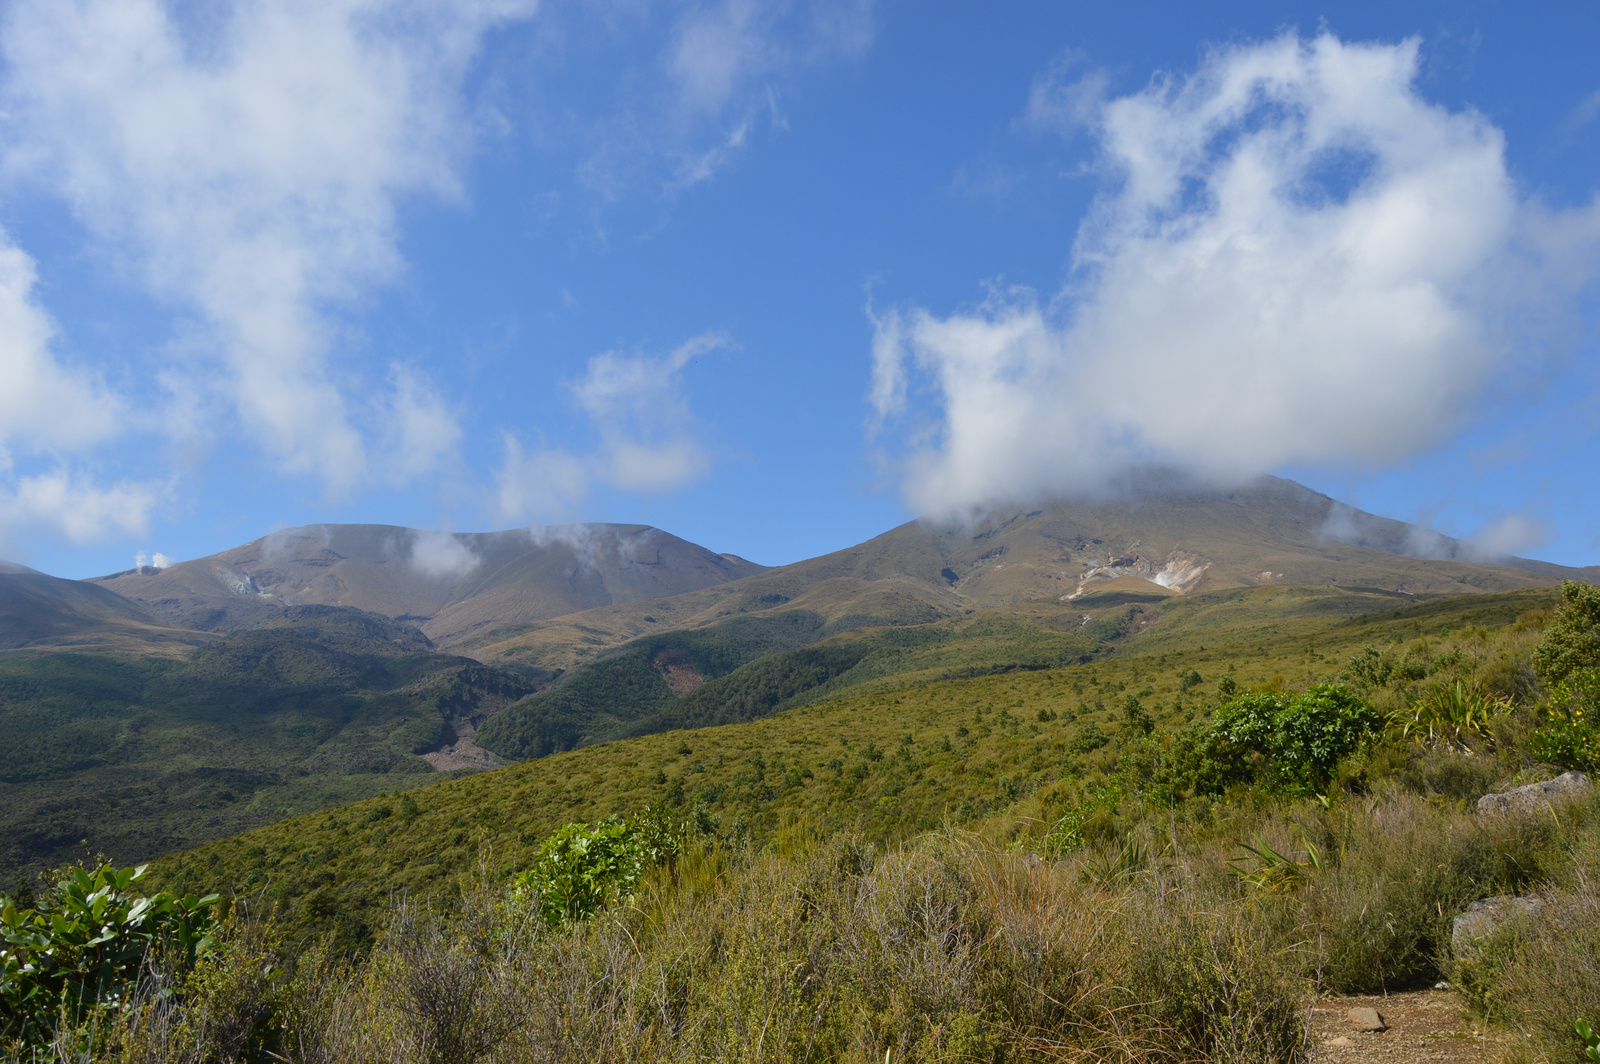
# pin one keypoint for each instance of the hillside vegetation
(1161, 854)
(902, 754)
(135, 756)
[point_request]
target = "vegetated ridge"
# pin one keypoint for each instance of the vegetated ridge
(132, 756)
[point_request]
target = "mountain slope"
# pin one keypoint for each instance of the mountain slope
(1161, 536)
(450, 584)
(41, 611)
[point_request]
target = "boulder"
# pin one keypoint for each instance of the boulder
(1535, 796)
(1365, 1019)
(1483, 918)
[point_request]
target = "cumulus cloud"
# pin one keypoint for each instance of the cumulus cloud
(75, 508)
(248, 168)
(441, 554)
(1297, 259)
(44, 403)
(638, 408)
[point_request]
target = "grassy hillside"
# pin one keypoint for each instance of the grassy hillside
(747, 668)
(1116, 859)
(894, 756)
(132, 756)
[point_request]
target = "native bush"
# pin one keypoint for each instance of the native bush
(83, 948)
(1292, 745)
(583, 867)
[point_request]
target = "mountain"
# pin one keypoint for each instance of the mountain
(451, 585)
(1159, 537)
(40, 611)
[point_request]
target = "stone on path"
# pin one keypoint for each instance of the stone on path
(1535, 796)
(1364, 1019)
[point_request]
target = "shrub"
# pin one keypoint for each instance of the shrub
(1571, 734)
(583, 867)
(81, 951)
(1572, 639)
(1294, 745)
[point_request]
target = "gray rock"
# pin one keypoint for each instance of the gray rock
(1535, 796)
(1366, 1020)
(1483, 918)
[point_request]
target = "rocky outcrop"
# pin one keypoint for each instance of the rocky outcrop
(1484, 918)
(1535, 797)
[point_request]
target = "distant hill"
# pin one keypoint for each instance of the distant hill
(451, 585)
(138, 755)
(1160, 537)
(40, 611)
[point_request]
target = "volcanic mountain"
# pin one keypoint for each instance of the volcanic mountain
(1159, 537)
(451, 585)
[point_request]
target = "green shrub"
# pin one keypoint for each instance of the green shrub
(82, 949)
(1572, 639)
(1571, 734)
(582, 867)
(1294, 745)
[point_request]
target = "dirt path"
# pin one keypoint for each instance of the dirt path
(1425, 1025)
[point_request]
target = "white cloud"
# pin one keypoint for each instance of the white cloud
(1065, 98)
(1298, 260)
(637, 405)
(423, 430)
(539, 486)
(698, 101)
(1507, 536)
(248, 168)
(44, 404)
(441, 554)
(68, 506)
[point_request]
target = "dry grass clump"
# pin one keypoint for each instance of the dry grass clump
(948, 950)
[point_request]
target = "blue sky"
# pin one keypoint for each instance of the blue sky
(776, 277)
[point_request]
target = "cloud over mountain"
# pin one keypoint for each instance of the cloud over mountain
(1296, 259)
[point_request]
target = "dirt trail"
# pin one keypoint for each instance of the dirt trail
(1425, 1025)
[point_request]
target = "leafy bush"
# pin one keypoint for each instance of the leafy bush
(1571, 735)
(1572, 639)
(83, 947)
(583, 867)
(1294, 745)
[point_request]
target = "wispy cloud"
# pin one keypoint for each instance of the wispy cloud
(1297, 259)
(698, 100)
(441, 554)
(646, 428)
(75, 507)
(248, 168)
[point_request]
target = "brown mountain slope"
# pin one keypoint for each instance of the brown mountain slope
(1161, 536)
(451, 584)
(38, 611)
